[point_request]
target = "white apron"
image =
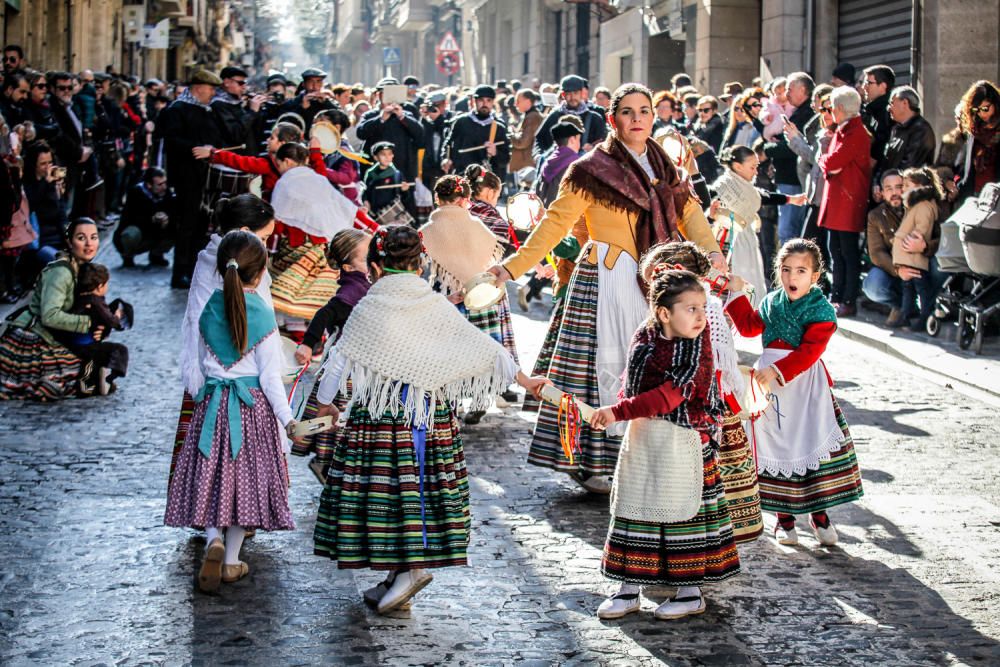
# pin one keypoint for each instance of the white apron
(799, 429)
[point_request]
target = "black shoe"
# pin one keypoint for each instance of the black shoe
(128, 262)
(180, 282)
(158, 260)
(510, 396)
(10, 297)
(473, 418)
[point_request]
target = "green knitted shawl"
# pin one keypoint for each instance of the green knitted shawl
(786, 319)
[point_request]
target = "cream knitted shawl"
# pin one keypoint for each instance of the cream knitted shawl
(459, 246)
(723, 348)
(404, 333)
(738, 195)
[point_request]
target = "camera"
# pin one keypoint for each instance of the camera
(59, 173)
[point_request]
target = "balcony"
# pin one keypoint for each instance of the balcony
(414, 15)
(350, 25)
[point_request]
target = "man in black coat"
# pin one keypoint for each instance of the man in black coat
(436, 122)
(68, 143)
(879, 81)
(571, 91)
(394, 124)
(240, 120)
(312, 99)
(477, 137)
(189, 122)
(911, 140)
(15, 92)
(148, 211)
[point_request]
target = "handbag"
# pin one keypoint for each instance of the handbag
(660, 473)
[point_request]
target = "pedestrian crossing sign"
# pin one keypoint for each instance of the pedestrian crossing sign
(391, 55)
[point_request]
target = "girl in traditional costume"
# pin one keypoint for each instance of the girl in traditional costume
(460, 245)
(671, 524)
(736, 460)
(805, 456)
(231, 472)
(631, 197)
(486, 188)
(397, 494)
(245, 212)
(348, 251)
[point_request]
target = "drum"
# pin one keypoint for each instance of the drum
(226, 180)
(328, 136)
(482, 292)
(524, 211)
(394, 214)
(754, 400)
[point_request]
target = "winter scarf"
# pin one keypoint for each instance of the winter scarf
(610, 176)
(739, 196)
(378, 172)
(187, 98)
(686, 363)
(403, 334)
(787, 320)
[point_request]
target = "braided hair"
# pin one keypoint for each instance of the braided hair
(480, 177)
(449, 189)
(667, 286)
(397, 247)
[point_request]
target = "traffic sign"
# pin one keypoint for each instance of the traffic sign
(391, 55)
(448, 44)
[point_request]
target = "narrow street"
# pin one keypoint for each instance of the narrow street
(91, 576)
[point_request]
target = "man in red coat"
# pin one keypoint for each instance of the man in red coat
(848, 172)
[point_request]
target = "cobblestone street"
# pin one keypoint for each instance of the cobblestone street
(91, 576)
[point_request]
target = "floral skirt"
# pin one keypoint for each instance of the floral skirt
(685, 553)
(371, 514)
(32, 369)
(219, 491)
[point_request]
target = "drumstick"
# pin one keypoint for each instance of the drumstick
(477, 148)
(392, 185)
(232, 148)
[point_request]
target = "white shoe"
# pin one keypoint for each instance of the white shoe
(619, 605)
(675, 608)
(827, 536)
(374, 594)
(103, 386)
(599, 484)
(407, 585)
(787, 537)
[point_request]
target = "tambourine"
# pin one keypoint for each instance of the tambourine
(754, 400)
(293, 118)
(309, 427)
(482, 292)
(525, 210)
(675, 146)
(554, 395)
(291, 367)
(328, 135)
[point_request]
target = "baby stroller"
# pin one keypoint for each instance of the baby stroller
(970, 251)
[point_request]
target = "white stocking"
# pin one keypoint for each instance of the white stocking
(211, 534)
(234, 542)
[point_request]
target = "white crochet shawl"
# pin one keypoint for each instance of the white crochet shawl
(306, 200)
(739, 195)
(724, 348)
(459, 246)
(404, 333)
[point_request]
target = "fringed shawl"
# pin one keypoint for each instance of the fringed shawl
(686, 363)
(405, 334)
(459, 245)
(611, 177)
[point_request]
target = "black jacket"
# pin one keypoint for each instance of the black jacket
(238, 124)
(182, 126)
(14, 114)
(68, 144)
(876, 117)
(434, 135)
(407, 135)
(294, 105)
(595, 130)
(911, 144)
(783, 158)
(467, 133)
(711, 132)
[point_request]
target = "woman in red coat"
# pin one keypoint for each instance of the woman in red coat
(848, 174)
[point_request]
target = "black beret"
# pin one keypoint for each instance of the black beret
(485, 91)
(572, 83)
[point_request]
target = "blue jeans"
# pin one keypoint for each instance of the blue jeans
(882, 288)
(790, 218)
(922, 287)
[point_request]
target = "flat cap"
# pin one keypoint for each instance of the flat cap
(572, 83)
(565, 127)
(485, 91)
(230, 72)
(313, 73)
(411, 81)
(278, 77)
(386, 81)
(381, 146)
(845, 72)
(206, 77)
(436, 98)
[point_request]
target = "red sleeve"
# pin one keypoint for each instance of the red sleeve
(658, 401)
(844, 149)
(132, 115)
(316, 161)
(747, 320)
(808, 352)
(364, 222)
(246, 164)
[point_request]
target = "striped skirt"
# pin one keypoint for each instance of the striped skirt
(303, 281)
(495, 322)
(32, 369)
(183, 425)
(739, 477)
(370, 509)
(686, 553)
(574, 369)
(544, 360)
(249, 491)
(321, 444)
(837, 481)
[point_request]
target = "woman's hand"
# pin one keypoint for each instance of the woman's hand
(718, 260)
(602, 418)
(456, 297)
(766, 377)
(314, 143)
(736, 283)
(713, 209)
(303, 354)
(797, 200)
(328, 410)
(99, 334)
(914, 242)
(501, 273)
(533, 385)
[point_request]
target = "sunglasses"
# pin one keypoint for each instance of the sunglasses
(982, 109)
(240, 82)
(826, 110)
(755, 105)
(704, 111)
(64, 88)
(41, 86)
(11, 59)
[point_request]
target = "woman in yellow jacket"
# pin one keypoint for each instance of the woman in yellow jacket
(631, 198)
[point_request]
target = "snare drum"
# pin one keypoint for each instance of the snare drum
(394, 214)
(226, 180)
